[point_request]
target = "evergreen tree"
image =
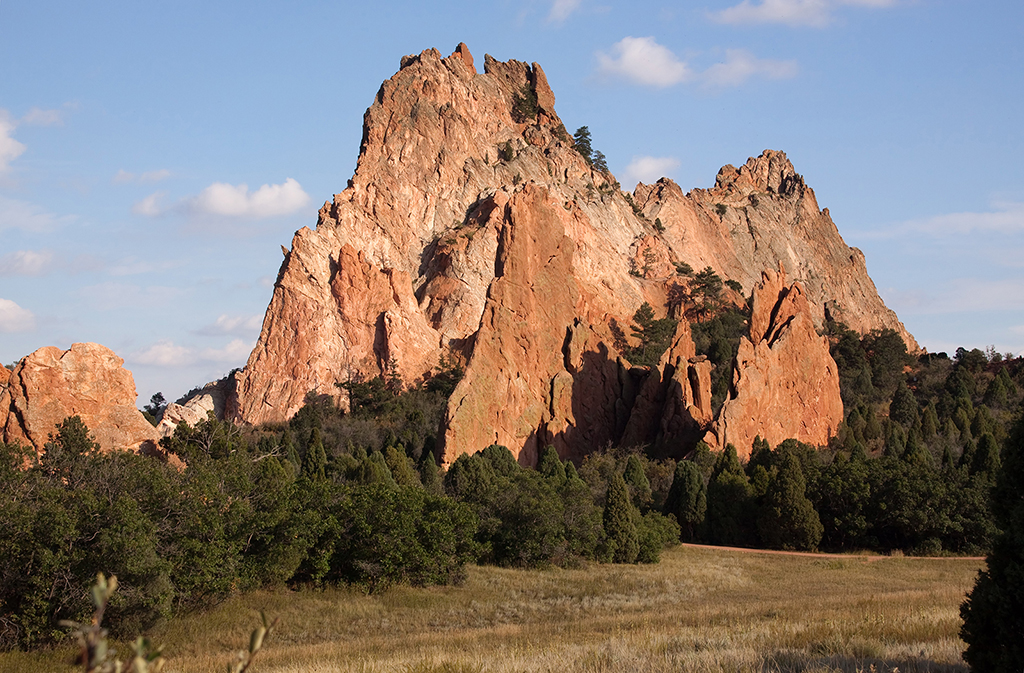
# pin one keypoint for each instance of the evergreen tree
(872, 427)
(730, 504)
(895, 440)
(636, 480)
(582, 143)
(903, 408)
(787, 519)
(373, 469)
(985, 462)
(430, 476)
(929, 422)
(550, 465)
(619, 522)
(401, 467)
(993, 613)
(315, 466)
(687, 499)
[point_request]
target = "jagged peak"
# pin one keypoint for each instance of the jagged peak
(771, 171)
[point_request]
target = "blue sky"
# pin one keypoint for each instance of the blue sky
(154, 156)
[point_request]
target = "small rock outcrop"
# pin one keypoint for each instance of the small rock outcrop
(474, 231)
(785, 383)
(197, 405)
(87, 380)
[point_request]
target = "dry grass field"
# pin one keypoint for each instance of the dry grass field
(698, 610)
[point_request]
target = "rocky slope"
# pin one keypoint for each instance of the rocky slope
(762, 214)
(87, 380)
(472, 229)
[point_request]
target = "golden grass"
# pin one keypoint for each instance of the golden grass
(698, 610)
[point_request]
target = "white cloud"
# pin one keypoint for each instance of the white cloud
(150, 206)
(643, 61)
(237, 201)
(796, 13)
(10, 149)
(14, 318)
(164, 354)
(232, 324)
(740, 65)
(28, 217)
(39, 117)
(26, 263)
(235, 352)
(561, 9)
(649, 169)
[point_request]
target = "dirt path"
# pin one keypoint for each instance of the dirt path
(865, 557)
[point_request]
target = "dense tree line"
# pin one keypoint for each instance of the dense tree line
(358, 497)
(328, 498)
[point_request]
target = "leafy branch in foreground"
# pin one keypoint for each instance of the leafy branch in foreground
(96, 656)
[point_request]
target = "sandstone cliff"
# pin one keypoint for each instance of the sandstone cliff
(785, 383)
(762, 214)
(89, 381)
(473, 229)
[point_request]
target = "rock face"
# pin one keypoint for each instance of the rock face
(473, 230)
(762, 214)
(87, 380)
(785, 383)
(197, 405)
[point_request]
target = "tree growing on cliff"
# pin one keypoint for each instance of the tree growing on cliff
(993, 613)
(655, 335)
(581, 140)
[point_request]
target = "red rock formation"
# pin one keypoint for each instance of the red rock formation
(89, 381)
(473, 229)
(785, 383)
(758, 216)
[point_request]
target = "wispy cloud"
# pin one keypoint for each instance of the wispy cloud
(242, 325)
(961, 295)
(231, 201)
(26, 263)
(1004, 218)
(10, 149)
(16, 214)
(114, 295)
(151, 206)
(561, 9)
(648, 169)
(165, 353)
(740, 66)
(14, 318)
(795, 13)
(641, 60)
(40, 117)
(124, 177)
